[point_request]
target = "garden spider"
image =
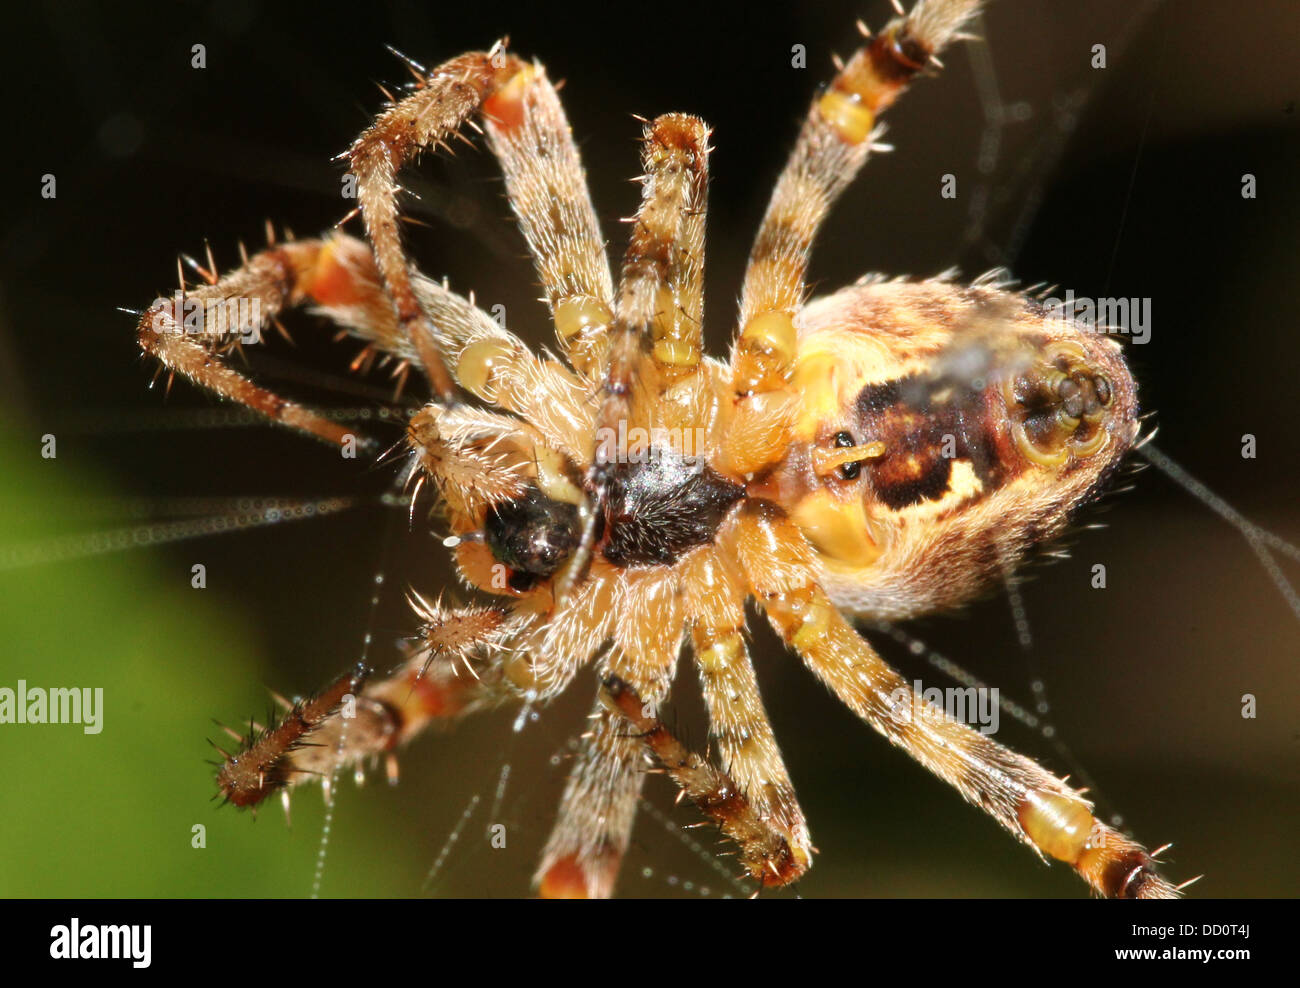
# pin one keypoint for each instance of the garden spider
(885, 451)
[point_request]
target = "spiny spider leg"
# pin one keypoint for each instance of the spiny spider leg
(715, 613)
(456, 668)
(544, 179)
(746, 742)
(837, 137)
(529, 133)
(657, 332)
(834, 144)
(190, 332)
(594, 822)
(661, 293)
(765, 848)
(267, 756)
(336, 277)
(1034, 805)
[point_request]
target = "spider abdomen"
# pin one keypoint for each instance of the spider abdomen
(975, 420)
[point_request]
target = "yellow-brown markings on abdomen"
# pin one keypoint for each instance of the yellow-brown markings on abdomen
(926, 425)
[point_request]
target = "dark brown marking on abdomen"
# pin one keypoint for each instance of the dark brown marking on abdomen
(913, 416)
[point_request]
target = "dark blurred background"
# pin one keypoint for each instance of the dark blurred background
(1122, 181)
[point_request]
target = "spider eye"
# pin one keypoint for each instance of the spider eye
(849, 471)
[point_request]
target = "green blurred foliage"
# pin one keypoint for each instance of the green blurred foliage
(113, 814)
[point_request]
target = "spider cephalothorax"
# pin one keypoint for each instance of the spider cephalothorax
(886, 450)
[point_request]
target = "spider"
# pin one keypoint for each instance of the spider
(885, 451)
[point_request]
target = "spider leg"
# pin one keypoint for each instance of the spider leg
(656, 337)
(660, 295)
(457, 668)
(766, 848)
(837, 137)
(714, 605)
(747, 744)
(493, 364)
(594, 823)
(1034, 805)
(528, 132)
(190, 332)
(336, 278)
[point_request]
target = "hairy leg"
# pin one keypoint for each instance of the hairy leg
(660, 295)
(765, 847)
(594, 823)
(457, 668)
(747, 744)
(714, 608)
(544, 179)
(836, 139)
(1034, 805)
(192, 333)
(336, 278)
(529, 133)
(661, 298)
